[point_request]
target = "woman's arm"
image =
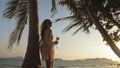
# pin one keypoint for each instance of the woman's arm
(49, 38)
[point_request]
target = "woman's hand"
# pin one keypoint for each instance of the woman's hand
(56, 42)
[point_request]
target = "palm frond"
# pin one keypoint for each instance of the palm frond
(19, 10)
(79, 17)
(16, 35)
(13, 37)
(71, 26)
(77, 31)
(12, 9)
(21, 24)
(64, 18)
(20, 35)
(53, 9)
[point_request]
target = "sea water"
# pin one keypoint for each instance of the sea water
(60, 64)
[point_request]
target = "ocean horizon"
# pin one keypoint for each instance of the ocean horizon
(16, 62)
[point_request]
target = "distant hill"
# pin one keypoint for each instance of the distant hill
(85, 62)
(88, 59)
(12, 58)
(60, 59)
(99, 59)
(17, 61)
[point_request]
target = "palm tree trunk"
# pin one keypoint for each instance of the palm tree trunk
(32, 57)
(101, 29)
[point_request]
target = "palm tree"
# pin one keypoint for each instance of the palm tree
(32, 57)
(101, 29)
(19, 9)
(104, 14)
(22, 10)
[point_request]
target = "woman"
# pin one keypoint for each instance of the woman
(47, 43)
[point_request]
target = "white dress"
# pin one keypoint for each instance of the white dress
(47, 46)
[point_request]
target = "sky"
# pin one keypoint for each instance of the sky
(79, 46)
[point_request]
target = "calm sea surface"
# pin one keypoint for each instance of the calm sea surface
(62, 64)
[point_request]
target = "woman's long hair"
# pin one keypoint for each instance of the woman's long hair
(44, 27)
